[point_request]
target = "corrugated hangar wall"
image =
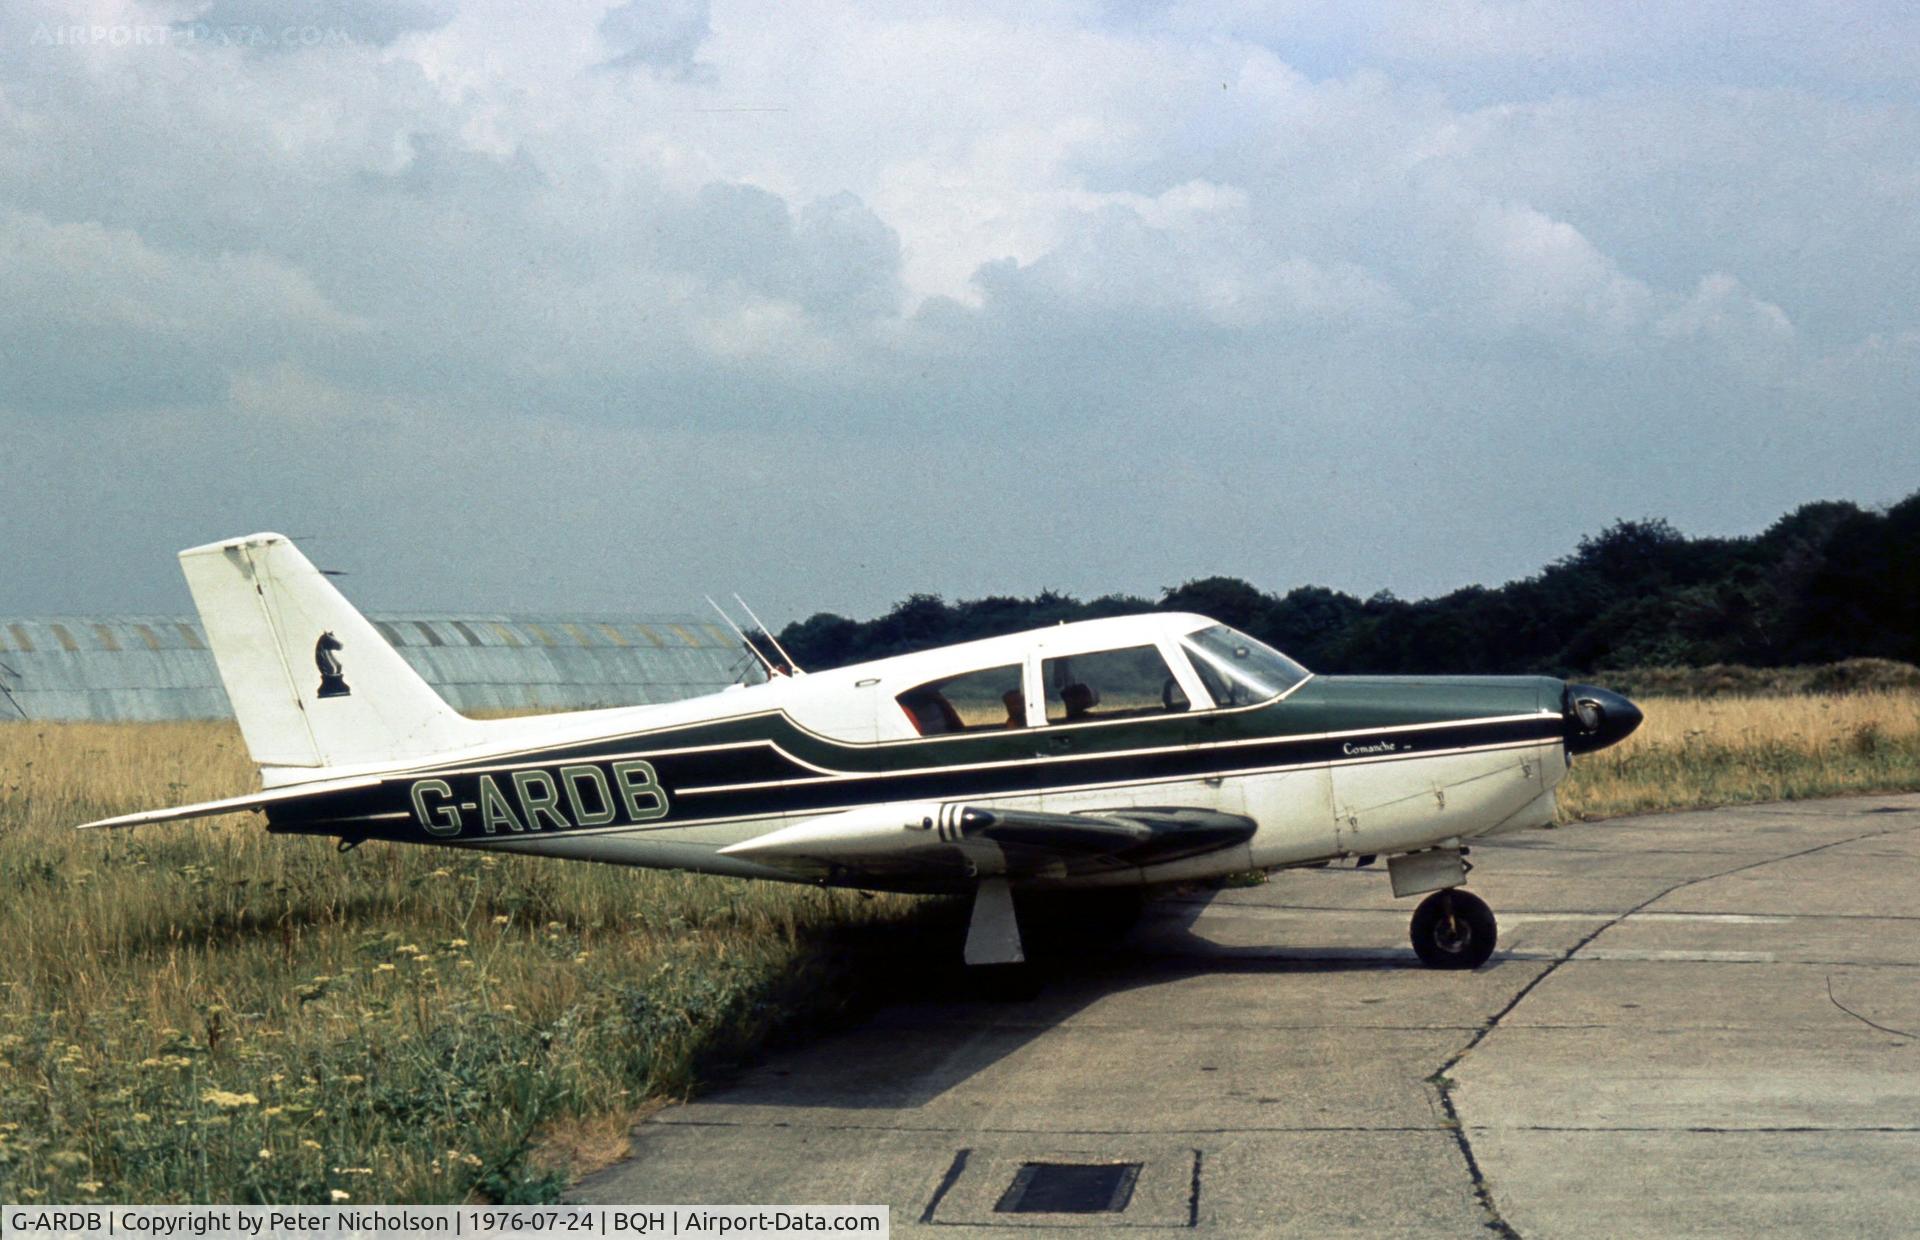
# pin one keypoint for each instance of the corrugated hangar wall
(159, 667)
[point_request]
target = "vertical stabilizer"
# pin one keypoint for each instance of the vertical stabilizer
(312, 683)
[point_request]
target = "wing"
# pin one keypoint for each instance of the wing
(940, 840)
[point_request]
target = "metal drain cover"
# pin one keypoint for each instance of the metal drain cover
(1061, 1188)
(1069, 1188)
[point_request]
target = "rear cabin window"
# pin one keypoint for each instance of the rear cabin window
(1111, 684)
(983, 701)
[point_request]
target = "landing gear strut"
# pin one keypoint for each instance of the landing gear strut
(996, 960)
(1453, 929)
(993, 934)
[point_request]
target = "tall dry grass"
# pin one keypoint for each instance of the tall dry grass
(1732, 679)
(207, 1012)
(1694, 752)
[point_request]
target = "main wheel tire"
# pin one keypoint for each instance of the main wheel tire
(1004, 983)
(1453, 929)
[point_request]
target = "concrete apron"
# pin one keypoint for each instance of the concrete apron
(1699, 1023)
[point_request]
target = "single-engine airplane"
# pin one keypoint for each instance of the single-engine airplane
(1112, 755)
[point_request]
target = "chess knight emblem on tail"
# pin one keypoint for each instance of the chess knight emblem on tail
(333, 683)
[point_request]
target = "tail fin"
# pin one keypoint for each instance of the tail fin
(312, 683)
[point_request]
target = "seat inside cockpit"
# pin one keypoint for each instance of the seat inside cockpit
(983, 701)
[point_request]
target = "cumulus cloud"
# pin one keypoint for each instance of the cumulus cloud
(1187, 258)
(100, 317)
(1720, 307)
(1542, 274)
(92, 278)
(1540, 48)
(833, 257)
(663, 35)
(295, 25)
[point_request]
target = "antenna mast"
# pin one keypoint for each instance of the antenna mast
(770, 637)
(764, 661)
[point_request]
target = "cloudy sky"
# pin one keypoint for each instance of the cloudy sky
(583, 305)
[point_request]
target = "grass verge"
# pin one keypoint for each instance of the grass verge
(1695, 752)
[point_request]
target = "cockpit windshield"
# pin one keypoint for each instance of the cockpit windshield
(1238, 670)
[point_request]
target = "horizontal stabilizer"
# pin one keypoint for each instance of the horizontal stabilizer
(231, 805)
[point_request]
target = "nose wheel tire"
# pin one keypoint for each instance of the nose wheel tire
(1453, 929)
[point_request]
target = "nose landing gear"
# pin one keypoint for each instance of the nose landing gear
(1453, 929)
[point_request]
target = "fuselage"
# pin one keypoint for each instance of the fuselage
(1325, 766)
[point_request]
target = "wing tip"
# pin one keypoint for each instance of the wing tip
(108, 824)
(244, 803)
(183, 813)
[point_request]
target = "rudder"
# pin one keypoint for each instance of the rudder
(312, 682)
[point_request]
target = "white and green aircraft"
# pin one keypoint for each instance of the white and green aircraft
(1112, 756)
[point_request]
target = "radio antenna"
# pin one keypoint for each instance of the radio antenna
(770, 637)
(763, 660)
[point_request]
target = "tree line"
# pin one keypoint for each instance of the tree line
(1828, 581)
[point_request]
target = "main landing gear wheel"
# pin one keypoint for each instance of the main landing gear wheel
(1453, 929)
(1003, 983)
(1077, 923)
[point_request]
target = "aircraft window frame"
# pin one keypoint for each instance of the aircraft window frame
(954, 722)
(1175, 668)
(1207, 667)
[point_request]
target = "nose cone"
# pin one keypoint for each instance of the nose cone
(1596, 718)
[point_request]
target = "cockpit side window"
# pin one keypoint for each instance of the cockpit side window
(1111, 684)
(984, 701)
